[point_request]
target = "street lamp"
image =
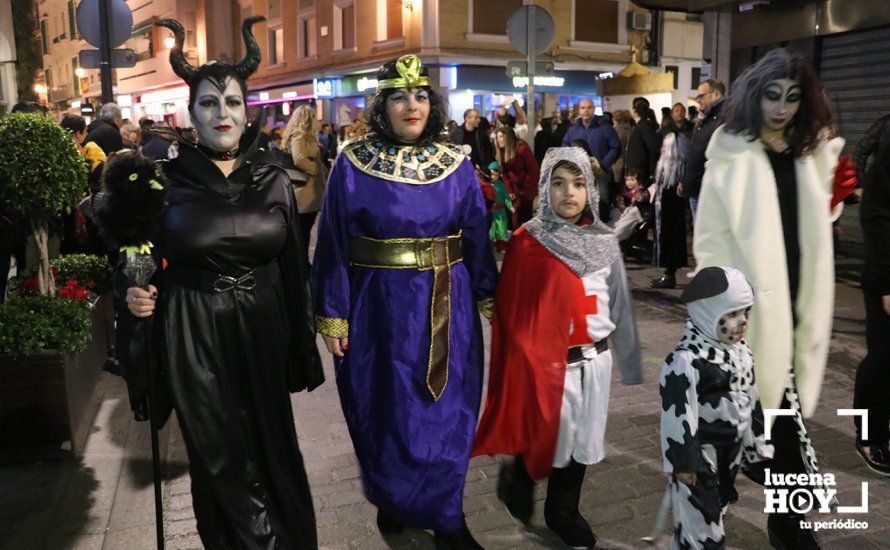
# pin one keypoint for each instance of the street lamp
(169, 42)
(80, 72)
(40, 89)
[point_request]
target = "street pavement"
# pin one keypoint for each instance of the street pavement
(103, 501)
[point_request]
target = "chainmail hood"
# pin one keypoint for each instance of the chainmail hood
(583, 248)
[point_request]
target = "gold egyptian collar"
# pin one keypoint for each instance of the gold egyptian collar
(417, 165)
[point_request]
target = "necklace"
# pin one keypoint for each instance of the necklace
(218, 155)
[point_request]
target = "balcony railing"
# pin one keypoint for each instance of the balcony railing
(61, 93)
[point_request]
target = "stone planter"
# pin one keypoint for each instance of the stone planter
(47, 404)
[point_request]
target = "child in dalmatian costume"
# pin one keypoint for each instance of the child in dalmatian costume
(711, 418)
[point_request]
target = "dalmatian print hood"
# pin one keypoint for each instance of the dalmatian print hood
(714, 292)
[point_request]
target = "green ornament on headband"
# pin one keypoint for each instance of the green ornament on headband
(408, 67)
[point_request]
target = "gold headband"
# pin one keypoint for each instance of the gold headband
(408, 67)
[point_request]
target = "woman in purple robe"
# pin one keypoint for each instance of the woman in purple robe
(402, 263)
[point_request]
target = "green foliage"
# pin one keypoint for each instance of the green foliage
(42, 174)
(29, 58)
(32, 324)
(84, 268)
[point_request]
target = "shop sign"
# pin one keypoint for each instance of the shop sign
(324, 88)
(365, 83)
(540, 80)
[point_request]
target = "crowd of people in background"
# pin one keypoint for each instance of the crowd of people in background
(648, 178)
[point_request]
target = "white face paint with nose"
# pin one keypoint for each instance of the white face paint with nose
(732, 326)
(779, 103)
(219, 116)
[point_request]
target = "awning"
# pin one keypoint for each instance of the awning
(684, 5)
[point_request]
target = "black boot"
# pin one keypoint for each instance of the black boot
(785, 533)
(561, 507)
(516, 489)
(387, 524)
(668, 280)
(461, 539)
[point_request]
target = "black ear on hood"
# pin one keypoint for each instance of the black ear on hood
(707, 283)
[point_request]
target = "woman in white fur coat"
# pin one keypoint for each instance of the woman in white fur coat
(766, 208)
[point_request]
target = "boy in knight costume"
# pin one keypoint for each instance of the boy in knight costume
(711, 417)
(562, 293)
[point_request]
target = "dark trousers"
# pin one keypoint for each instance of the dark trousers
(306, 223)
(563, 487)
(786, 441)
(564, 490)
(873, 376)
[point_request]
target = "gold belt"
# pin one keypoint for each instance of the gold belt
(437, 254)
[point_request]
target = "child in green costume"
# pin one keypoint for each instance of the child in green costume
(499, 232)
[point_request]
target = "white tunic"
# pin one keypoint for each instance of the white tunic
(585, 401)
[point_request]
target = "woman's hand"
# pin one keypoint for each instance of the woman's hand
(337, 346)
(687, 478)
(886, 300)
(141, 303)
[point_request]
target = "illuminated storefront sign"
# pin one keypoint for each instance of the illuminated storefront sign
(365, 83)
(324, 88)
(551, 81)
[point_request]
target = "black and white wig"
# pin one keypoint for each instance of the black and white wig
(813, 121)
(379, 121)
(218, 73)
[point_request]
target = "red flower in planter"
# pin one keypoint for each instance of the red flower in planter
(74, 291)
(30, 286)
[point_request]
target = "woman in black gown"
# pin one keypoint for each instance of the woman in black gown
(234, 319)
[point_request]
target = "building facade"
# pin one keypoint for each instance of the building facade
(8, 92)
(327, 52)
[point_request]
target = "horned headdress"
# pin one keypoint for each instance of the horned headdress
(186, 71)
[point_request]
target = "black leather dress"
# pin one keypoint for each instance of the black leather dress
(235, 333)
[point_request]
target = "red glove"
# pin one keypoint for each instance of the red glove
(844, 181)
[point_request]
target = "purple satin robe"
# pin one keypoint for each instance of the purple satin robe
(413, 451)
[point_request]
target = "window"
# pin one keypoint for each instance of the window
(596, 21)
(72, 28)
(306, 35)
(48, 76)
(43, 37)
(276, 45)
(676, 72)
(696, 77)
(76, 79)
(140, 40)
(344, 24)
(490, 16)
(393, 19)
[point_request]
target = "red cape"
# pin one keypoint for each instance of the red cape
(530, 339)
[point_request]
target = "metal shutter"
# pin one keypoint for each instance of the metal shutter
(855, 68)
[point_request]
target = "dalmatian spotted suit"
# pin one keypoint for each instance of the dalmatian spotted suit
(711, 419)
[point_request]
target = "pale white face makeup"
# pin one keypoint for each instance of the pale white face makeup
(568, 194)
(779, 103)
(732, 326)
(219, 116)
(408, 110)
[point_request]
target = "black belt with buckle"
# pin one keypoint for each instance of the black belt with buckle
(215, 283)
(576, 353)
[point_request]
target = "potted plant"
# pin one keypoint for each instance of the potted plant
(54, 327)
(51, 352)
(42, 175)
